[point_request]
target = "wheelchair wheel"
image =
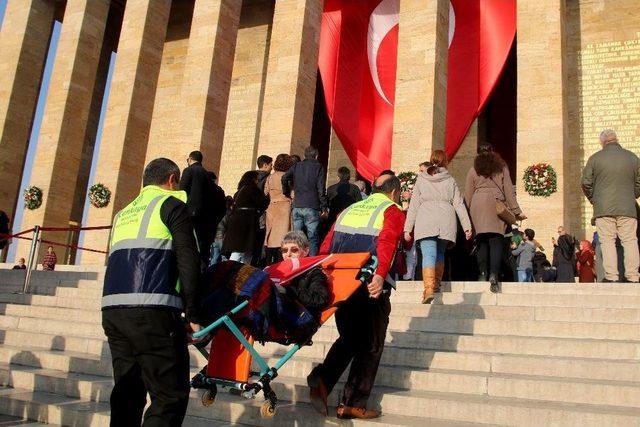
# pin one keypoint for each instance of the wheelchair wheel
(268, 409)
(208, 398)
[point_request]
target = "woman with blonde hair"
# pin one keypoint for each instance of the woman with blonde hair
(435, 202)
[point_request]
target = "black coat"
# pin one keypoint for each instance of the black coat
(196, 182)
(243, 231)
(565, 265)
(341, 196)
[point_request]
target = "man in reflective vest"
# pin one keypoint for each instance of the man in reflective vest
(373, 225)
(151, 278)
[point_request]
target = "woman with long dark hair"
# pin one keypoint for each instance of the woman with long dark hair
(278, 222)
(242, 235)
(488, 183)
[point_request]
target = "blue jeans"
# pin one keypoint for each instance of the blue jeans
(432, 251)
(308, 220)
(525, 275)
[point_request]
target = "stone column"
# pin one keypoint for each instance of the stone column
(337, 158)
(62, 135)
(540, 109)
(421, 82)
(129, 112)
(291, 81)
(207, 76)
(24, 41)
(463, 161)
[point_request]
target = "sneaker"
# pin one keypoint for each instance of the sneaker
(495, 285)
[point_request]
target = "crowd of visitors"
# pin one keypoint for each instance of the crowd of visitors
(447, 234)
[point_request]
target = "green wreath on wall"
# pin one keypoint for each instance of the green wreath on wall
(99, 195)
(540, 180)
(32, 197)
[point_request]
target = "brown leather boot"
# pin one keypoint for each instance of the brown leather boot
(318, 394)
(429, 283)
(348, 412)
(439, 273)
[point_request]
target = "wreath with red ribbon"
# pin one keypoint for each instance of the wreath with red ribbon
(540, 180)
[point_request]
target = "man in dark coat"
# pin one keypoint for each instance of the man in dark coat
(307, 178)
(197, 184)
(342, 195)
(611, 182)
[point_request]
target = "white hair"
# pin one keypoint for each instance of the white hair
(608, 136)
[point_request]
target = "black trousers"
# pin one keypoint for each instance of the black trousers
(362, 323)
(490, 253)
(149, 353)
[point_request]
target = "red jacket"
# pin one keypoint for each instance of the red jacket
(388, 239)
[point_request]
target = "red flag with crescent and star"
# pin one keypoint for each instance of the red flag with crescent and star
(358, 59)
(481, 33)
(357, 62)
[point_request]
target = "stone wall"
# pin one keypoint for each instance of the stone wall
(603, 76)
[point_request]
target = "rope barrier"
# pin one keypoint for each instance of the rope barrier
(4, 236)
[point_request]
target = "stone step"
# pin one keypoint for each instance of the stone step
(573, 390)
(400, 310)
(413, 404)
(227, 410)
(53, 409)
(524, 300)
(397, 328)
(51, 313)
(50, 301)
(557, 389)
(547, 366)
(408, 348)
(530, 288)
(460, 311)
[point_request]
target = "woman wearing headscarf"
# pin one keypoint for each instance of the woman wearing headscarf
(564, 259)
(489, 182)
(586, 268)
(435, 202)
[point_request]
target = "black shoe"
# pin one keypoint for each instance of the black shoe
(495, 285)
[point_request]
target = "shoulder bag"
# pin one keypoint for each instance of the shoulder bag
(502, 210)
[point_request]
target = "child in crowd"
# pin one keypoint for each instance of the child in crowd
(525, 252)
(586, 264)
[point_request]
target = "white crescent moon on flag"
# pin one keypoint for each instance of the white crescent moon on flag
(452, 23)
(383, 19)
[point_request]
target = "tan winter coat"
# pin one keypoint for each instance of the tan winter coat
(434, 204)
(278, 213)
(481, 194)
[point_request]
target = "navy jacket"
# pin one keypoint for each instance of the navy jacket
(307, 178)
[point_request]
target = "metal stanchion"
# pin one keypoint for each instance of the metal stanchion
(33, 254)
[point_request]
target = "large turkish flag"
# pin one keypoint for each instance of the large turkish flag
(357, 61)
(483, 32)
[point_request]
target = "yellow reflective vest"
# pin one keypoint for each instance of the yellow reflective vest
(358, 226)
(142, 270)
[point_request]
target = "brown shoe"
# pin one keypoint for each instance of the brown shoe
(348, 412)
(318, 394)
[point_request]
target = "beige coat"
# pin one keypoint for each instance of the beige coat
(278, 221)
(481, 194)
(435, 202)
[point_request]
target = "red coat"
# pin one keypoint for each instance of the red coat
(586, 266)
